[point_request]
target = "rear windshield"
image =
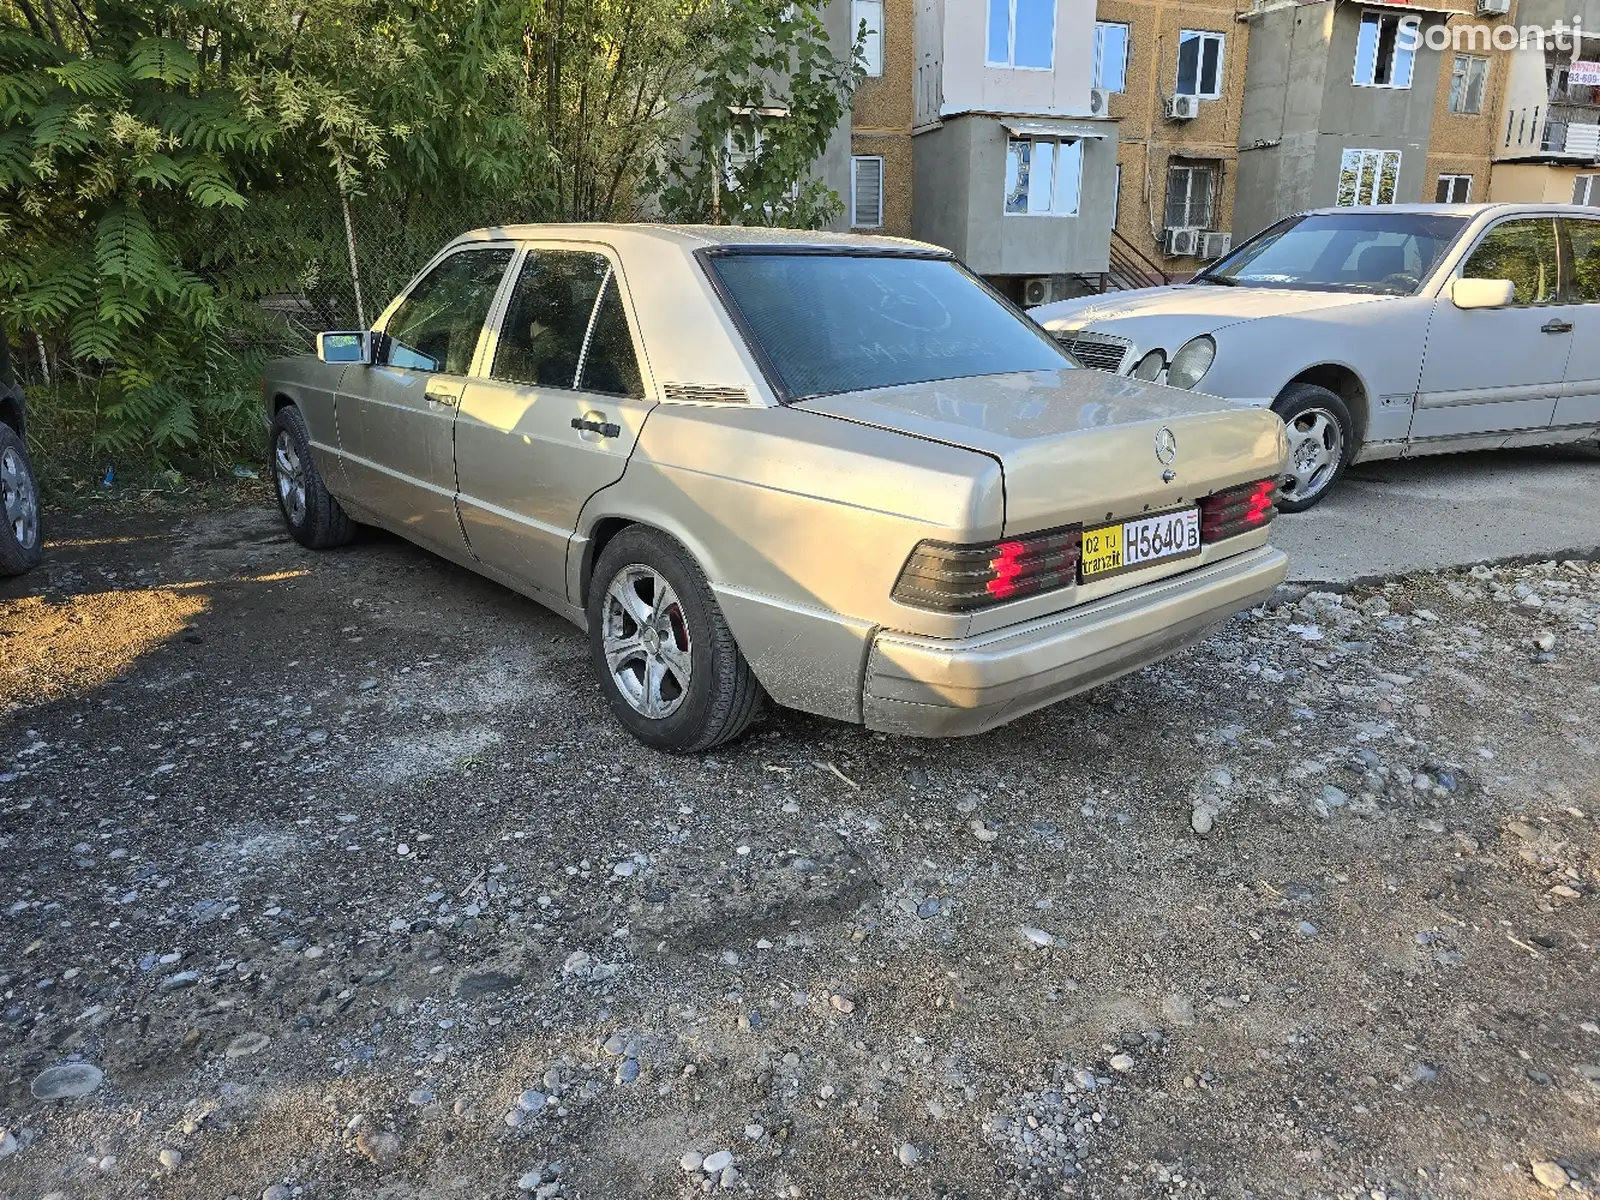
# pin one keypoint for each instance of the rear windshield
(1386, 253)
(831, 323)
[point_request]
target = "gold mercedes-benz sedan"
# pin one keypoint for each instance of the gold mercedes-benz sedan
(834, 471)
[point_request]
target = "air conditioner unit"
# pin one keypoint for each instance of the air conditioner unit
(1183, 108)
(1215, 245)
(1183, 243)
(1040, 289)
(1099, 102)
(1493, 8)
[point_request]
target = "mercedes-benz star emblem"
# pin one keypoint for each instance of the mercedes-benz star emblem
(1166, 446)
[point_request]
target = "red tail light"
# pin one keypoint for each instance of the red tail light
(960, 578)
(1238, 510)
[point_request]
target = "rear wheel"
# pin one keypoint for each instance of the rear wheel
(313, 516)
(21, 539)
(665, 657)
(1321, 443)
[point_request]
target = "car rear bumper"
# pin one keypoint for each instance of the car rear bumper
(929, 687)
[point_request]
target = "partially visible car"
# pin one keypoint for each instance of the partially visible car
(21, 540)
(1377, 332)
(835, 471)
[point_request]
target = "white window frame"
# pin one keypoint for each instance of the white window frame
(1058, 155)
(1454, 179)
(1010, 61)
(1461, 69)
(856, 159)
(1192, 169)
(1403, 22)
(1587, 186)
(1373, 160)
(1100, 28)
(870, 12)
(1204, 35)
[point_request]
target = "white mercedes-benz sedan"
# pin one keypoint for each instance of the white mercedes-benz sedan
(1381, 332)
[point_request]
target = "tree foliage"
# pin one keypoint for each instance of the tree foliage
(167, 170)
(770, 93)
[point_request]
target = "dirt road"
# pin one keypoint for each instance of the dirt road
(330, 876)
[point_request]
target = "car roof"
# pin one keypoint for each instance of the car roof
(1456, 210)
(692, 237)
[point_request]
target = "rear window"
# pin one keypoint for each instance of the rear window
(830, 323)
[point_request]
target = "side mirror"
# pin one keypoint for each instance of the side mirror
(1482, 293)
(346, 347)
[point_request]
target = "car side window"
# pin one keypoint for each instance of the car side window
(611, 364)
(541, 338)
(1523, 252)
(1584, 239)
(436, 326)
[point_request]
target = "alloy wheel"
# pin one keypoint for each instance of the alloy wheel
(1316, 448)
(291, 478)
(645, 637)
(20, 499)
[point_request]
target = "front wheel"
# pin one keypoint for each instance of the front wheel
(665, 657)
(313, 516)
(21, 541)
(1321, 444)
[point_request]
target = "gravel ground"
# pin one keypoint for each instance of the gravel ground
(330, 876)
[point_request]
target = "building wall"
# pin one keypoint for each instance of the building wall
(833, 167)
(1533, 183)
(1148, 141)
(968, 84)
(1303, 110)
(960, 187)
(884, 111)
(1464, 143)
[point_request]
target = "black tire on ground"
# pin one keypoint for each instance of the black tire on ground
(722, 695)
(316, 521)
(1301, 405)
(19, 505)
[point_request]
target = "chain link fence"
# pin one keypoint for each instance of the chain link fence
(361, 253)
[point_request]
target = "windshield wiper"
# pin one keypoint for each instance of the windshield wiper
(1216, 279)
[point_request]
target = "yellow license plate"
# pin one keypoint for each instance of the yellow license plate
(1132, 545)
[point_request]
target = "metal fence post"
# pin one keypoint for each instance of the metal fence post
(350, 244)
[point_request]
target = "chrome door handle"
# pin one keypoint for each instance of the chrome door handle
(1556, 327)
(448, 399)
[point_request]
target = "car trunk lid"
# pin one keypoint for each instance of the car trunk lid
(1080, 446)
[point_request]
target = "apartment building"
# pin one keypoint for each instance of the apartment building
(1171, 73)
(1366, 104)
(1547, 143)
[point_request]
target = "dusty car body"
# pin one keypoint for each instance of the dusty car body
(1401, 330)
(904, 555)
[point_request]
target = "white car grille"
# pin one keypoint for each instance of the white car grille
(1097, 351)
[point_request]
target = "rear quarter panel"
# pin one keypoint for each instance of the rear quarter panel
(801, 524)
(311, 385)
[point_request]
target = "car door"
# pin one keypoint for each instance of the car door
(397, 441)
(1498, 370)
(556, 418)
(1579, 406)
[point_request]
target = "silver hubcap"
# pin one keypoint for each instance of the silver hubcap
(291, 478)
(1316, 445)
(646, 642)
(20, 499)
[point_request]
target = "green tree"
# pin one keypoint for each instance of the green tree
(165, 166)
(769, 94)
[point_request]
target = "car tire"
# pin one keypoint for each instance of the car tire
(313, 516)
(1322, 442)
(21, 531)
(652, 620)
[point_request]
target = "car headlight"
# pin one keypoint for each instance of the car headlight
(1190, 364)
(1150, 366)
